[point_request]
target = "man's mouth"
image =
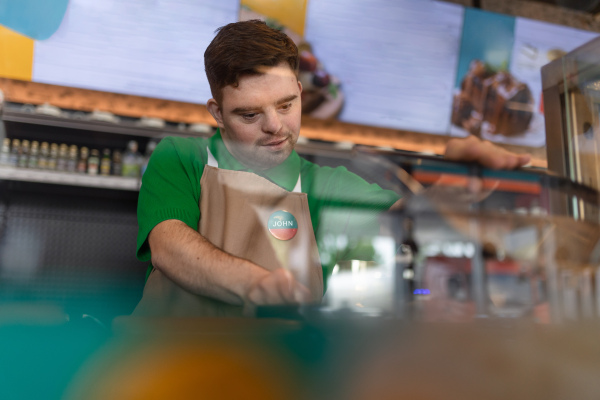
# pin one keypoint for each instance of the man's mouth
(275, 143)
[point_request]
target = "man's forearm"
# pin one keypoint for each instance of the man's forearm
(194, 263)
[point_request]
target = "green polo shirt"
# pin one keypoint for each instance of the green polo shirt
(340, 202)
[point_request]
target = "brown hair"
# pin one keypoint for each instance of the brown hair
(240, 48)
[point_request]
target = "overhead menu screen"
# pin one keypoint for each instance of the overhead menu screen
(396, 60)
(434, 67)
(145, 48)
(497, 94)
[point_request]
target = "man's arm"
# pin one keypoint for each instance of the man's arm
(194, 263)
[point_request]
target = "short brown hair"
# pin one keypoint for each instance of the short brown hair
(240, 48)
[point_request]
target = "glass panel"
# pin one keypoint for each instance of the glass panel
(581, 80)
(451, 255)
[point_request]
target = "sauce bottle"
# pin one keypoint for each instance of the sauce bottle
(93, 162)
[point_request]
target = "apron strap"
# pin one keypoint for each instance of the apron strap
(212, 162)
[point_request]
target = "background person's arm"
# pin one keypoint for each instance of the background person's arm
(473, 149)
(194, 263)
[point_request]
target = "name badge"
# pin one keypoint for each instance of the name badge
(283, 225)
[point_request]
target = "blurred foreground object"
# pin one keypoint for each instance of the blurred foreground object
(189, 359)
(469, 362)
(225, 360)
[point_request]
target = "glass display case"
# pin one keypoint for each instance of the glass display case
(470, 242)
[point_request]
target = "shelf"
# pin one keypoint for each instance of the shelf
(125, 127)
(71, 179)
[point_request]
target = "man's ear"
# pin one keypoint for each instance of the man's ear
(215, 111)
(300, 86)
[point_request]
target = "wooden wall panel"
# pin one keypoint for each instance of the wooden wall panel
(90, 100)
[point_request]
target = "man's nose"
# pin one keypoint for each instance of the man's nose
(272, 122)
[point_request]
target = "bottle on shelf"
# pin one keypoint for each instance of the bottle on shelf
(5, 152)
(34, 153)
(61, 162)
(93, 162)
(117, 163)
(131, 160)
(105, 163)
(44, 156)
(72, 159)
(53, 159)
(15, 149)
(83, 160)
(149, 150)
(23, 154)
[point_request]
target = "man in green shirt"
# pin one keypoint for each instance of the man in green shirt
(232, 220)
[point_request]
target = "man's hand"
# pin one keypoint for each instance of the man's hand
(473, 149)
(277, 287)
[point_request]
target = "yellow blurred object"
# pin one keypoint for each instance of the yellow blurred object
(16, 55)
(290, 13)
(185, 367)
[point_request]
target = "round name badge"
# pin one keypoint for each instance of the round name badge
(283, 225)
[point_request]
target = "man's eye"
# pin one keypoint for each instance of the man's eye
(249, 116)
(286, 106)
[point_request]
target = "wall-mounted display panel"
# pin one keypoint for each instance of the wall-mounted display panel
(414, 65)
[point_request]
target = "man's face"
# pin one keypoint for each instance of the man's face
(260, 119)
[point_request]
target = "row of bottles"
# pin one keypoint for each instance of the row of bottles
(65, 158)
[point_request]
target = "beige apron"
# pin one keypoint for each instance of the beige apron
(235, 207)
